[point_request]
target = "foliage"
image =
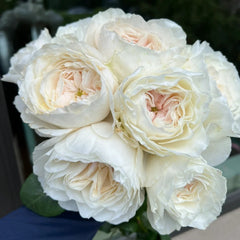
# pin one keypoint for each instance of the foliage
(6, 4)
(138, 228)
(33, 197)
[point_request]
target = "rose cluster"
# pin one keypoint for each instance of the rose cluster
(131, 111)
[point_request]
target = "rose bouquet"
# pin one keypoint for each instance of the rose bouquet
(136, 120)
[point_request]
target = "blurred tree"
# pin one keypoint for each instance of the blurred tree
(215, 21)
(65, 5)
(7, 4)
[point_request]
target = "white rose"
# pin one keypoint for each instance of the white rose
(226, 77)
(116, 30)
(92, 171)
(164, 113)
(113, 30)
(22, 58)
(65, 87)
(183, 192)
(75, 31)
(218, 127)
(151, 62)
(128, 37)
(220, 122)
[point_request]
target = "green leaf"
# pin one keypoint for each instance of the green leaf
(106, 227)
(129, 227)
(146, 223)
(148, 236)
(143, 208)
(33, 197)
(113, 235)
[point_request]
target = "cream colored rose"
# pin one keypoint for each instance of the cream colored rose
(226, 77)
(111, 31)
(163, 113)
(117, 30)
(22, 58)
(128, 40)
(72, 32)
(220, 122)
(92, 171)
(65, 87)
(183, 192)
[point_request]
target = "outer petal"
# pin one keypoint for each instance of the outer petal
(75, 31)
(22, 58)
(42, 128)
(139, 58)
(99, 20)
(219, 129)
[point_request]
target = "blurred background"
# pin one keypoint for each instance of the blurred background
(214, 21)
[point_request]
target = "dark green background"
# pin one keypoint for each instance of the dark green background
(215, 21)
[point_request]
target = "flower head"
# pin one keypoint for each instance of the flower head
(183, 192)
(65, 87)
(93, 172)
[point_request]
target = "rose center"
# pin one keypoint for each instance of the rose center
(162, 107)
(187, 198)
(95, 176)
(137, 36)
(187, 191)
(76, 85)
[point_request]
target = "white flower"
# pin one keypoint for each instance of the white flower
(65, 87)
(226, 77)
(220, 122)
(183, 192)
(22, 58)
(116, 30)
(93, 172)
(164, 113)
(128, 41)
(113, 30)
(72, 32)
(218, 127)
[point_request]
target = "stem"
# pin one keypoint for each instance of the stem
(165, 237)
(141, 225)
